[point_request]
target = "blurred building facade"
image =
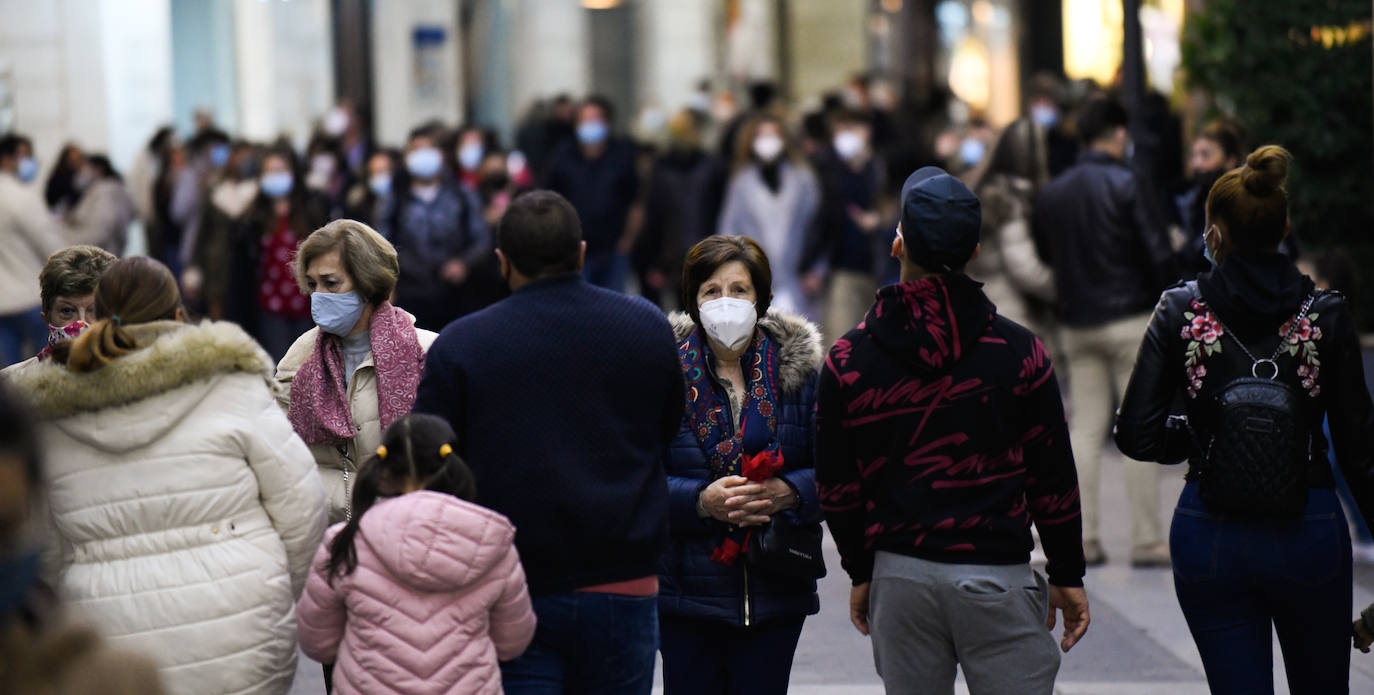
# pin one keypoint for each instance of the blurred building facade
(105, 73)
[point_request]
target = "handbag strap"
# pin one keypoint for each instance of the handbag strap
(1255, 362)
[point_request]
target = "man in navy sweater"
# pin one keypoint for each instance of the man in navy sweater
(940, 437)
(564, 397)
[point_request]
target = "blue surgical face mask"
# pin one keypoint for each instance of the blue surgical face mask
(1044, 116)
(276, 184)
(18, 575)
(219, 154)
(592, 132)
(971, 151)
(424, 163)
(336, 313)
(1207, 250)
(380, 184)
(470, 155)
(28, 169)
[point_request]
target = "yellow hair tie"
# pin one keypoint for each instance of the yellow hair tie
(381, 453)
(445, 450)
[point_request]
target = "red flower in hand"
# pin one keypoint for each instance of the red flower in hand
(761, 466)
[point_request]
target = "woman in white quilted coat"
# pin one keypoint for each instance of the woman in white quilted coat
(186, 508)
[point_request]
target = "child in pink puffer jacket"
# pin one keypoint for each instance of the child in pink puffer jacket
(421, 592)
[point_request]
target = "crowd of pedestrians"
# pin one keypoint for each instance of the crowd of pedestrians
(403, 409)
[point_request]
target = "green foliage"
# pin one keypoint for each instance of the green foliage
(1263, 65)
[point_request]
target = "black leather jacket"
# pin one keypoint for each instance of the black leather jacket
(1164, 376)
(1108, 243)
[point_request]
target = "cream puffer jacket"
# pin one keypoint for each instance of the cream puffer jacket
(338, 463)
(186, 507)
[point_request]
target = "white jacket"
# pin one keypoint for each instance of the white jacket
(28, 235)
(187, 508)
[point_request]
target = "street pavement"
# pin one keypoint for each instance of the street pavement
(1138, 642)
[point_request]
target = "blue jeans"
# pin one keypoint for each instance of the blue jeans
(1343, 489)
(607, 269)
(18, 329)
(592, 643)
(1239, 580)
(710, 656)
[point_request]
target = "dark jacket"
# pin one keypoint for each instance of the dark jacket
(1187, 356)
(940, 434)
(690, 583)
(1108, 244)
(681, 208)
(429, 234)
(564, 397)
(842, 243)
(602, 190)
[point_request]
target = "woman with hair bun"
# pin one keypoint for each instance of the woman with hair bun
(185, 507)
(1258, 356)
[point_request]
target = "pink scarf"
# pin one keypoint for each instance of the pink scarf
(319, 392)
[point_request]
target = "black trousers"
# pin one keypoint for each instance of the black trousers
(707, 656)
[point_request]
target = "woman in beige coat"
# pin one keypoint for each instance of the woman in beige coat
(344, 381)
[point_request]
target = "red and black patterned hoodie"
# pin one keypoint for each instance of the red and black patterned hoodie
(941, 435)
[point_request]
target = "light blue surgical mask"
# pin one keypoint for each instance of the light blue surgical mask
(28, 169)
(470, 155)
(336, 313)
(1046, 117)
(1207, 250)
(219, 155)
(971, 151)
(380, 184)
(424, 163)
(592, 132)
(276, 184)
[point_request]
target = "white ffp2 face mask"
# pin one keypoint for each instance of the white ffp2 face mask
(729, 321)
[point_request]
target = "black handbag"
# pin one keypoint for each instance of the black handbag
(782, 548)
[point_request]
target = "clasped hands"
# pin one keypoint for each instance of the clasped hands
(739, 501)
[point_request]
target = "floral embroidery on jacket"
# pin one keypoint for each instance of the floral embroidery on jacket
(1203, 333)
(1302, 344)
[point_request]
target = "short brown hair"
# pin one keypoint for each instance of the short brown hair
(368, 258)
(72, 272)
(704, 259)
(1252, 203)
(132, 291)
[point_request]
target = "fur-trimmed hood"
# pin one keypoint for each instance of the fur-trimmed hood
(799, 345)
(178, 363)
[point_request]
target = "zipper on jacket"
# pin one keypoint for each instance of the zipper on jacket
(748, 618)
(348, 492)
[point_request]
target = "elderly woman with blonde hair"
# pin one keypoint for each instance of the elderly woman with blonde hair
(344, 381)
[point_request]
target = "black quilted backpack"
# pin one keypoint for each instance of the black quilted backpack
(1255, 464)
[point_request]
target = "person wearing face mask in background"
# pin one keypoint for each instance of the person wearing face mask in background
(188, 188)
(847, 251)
(438, 232)
(597, 175)
(773, 199)
(67, 289)
(29, 234)
(372, 200)
(285, 213)
(221, 276)
(729, 621)
(1112, 258)
(470, 149)
(1044, 99)
(45, 648)
(682, 205)
(105, 210)
(328, 176)
(345, 380)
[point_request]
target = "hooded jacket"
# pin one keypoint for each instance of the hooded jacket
(690, 583)
(437, 600)
(940, 434)
(1187, 355)
(187, 508)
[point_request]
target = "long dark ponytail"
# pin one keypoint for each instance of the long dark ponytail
(415, 448)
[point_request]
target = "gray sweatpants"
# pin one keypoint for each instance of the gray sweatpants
(990, 619)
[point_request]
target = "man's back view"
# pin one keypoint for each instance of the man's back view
(940, 438)
(1111, 260)
(564, 397)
